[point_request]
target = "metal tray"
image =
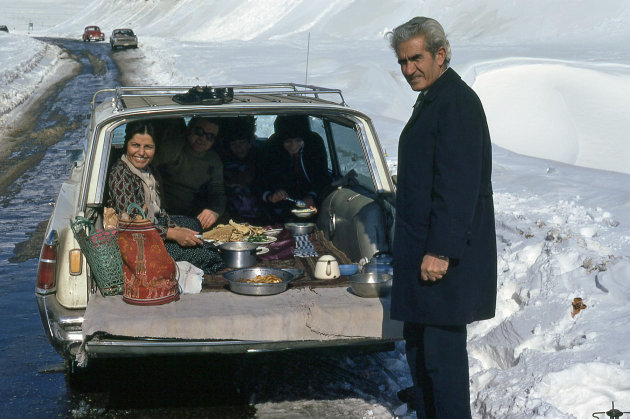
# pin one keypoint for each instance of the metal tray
(235, 278)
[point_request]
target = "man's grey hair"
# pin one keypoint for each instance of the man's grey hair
(434, 36)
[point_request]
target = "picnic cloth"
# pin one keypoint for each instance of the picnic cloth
(296, 314)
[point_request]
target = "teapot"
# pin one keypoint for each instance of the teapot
(327, 267)
(381, 263)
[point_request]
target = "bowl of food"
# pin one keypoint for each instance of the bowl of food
(371, 285)
(300, 229)
(258, 281)
(349, 269)
(261, 239)
(304, 212)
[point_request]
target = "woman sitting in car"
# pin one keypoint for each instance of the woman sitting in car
(131, 181)
(295, 166)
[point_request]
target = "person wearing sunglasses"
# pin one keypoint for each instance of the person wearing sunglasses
(192, 172)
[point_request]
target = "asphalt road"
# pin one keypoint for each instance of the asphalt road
(33, 379)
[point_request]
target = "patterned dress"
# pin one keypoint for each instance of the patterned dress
(126, 188)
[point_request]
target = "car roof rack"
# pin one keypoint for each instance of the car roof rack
(126, 98)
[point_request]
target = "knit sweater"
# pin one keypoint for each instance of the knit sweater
(192, 182)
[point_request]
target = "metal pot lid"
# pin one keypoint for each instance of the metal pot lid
(238, 246)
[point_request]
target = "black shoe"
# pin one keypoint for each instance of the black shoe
(408, 396)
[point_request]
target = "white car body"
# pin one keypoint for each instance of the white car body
(357, 217)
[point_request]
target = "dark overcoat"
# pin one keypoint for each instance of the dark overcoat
(444, 206)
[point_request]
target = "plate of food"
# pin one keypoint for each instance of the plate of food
(215, 242)
(261, 239)
(272, 232)
(304, 212)
(232, 232)
(261, 250)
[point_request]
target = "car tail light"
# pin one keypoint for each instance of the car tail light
(47, 269)
(75, 260)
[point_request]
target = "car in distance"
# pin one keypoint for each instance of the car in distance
(93, 33)
(4, 28)
(355, 221)
(123, 38)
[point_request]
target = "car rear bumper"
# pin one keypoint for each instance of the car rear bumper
(62, 325)
(124, 44)
(107, 346)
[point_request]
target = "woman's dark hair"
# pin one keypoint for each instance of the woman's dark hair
(139, 127)
(292, 126)
(241, 128)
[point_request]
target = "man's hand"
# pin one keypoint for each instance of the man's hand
(277, 196)
(207, 218)
(433, 267)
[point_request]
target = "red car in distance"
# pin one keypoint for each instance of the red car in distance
(93, 33)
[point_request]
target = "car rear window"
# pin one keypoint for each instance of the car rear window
(341, 139)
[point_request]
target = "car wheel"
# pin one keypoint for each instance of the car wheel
(78, 379)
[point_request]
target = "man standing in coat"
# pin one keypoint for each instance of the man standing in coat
(444, 240)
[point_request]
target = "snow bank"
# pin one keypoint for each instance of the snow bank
(26, 64)
(570, 112)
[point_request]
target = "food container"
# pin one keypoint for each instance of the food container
(327, 267)
(347, 270)
(304, 212)
(300, 229)
(380, 263)
(371, 285)
(236, 277)
(238, 254)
